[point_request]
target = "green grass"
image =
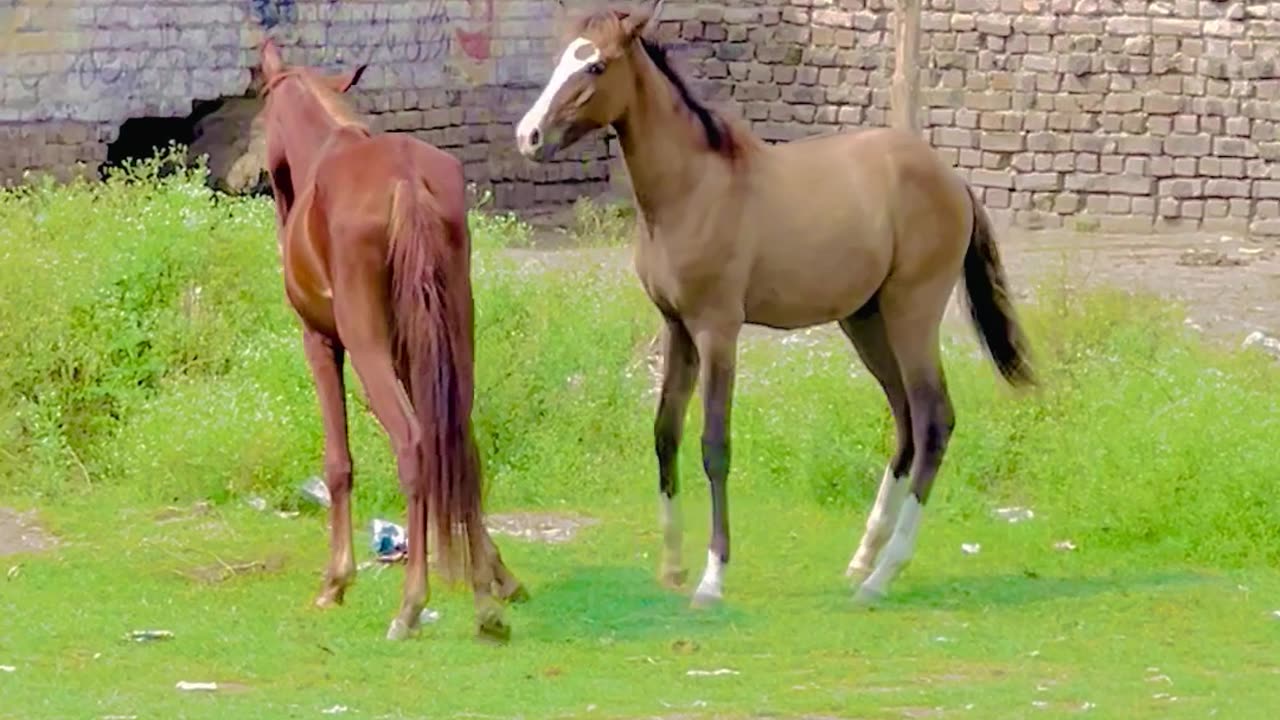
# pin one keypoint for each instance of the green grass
(149, 360)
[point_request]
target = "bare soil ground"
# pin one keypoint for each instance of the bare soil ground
(19, 533)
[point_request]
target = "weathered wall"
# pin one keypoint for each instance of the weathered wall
(456, 72)
(1129, 115)
(1124, 114)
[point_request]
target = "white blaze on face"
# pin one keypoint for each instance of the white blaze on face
(575, 59)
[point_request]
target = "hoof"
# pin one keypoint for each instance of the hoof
(868, 598)
(400, 630)
(329, 598)
(493, 630)
(674, 579)
(856, 576)
(704, 599)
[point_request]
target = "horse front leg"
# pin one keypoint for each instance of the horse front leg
(717, 351)
(325, 357)
(680, 372)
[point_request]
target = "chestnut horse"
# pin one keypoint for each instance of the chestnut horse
(866, 229)
(375, 249)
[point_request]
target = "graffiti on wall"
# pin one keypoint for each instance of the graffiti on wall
(271, 13)
(155, 58)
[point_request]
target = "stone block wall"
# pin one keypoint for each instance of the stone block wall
(456, 72)
(1124, 115)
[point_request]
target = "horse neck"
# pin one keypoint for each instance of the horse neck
(664, 149)
(305, 126)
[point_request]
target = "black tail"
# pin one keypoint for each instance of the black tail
(990, 305)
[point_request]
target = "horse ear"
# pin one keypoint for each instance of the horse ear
(345, 81)
(643, 22)
(272, 63)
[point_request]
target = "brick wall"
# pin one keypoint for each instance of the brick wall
(456, 72)
(1125, 115)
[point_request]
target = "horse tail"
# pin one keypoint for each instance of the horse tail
(433, 338)
(990, 306)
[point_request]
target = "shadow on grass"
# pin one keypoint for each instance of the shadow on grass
(1026, 588)
(618, 603)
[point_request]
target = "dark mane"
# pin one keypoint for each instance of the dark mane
(719, 136)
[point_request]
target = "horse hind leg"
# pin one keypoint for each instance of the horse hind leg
(368, 345)
(865, 329)
(912, 328)
(325, 357)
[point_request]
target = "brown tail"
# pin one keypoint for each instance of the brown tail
(433, 347)
(990, 305)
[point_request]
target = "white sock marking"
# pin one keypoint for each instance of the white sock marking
(880, 522)
(712, 577)
(901, 547)
(576, 57)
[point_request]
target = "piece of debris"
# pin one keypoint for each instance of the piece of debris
(390, 542)
(1208, 257)
(222, 570)
(1064, 546)
(428, 616)
(1014, 514)
(8, 669)
(186, 686)
(1087, 706)
(970, 548)
(1275, 614)
(712, 673)
(552, 528)
(142, 636)
(315, 491)
(1039, 704)
(257, 503)
(335, 710)
(14, 572)
(684, 647)
(1263, 341)
(287, 514)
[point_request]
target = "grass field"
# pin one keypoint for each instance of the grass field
(152, 382)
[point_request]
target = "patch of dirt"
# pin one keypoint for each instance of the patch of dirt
(19, 533)
(217, 572)
(550, 528)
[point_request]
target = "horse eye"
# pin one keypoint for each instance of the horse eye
(596, 68)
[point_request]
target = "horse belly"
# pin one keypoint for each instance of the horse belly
(802, 284)
(308, 289)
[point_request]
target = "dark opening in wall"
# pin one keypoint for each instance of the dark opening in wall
(140, 138)
(225, 132)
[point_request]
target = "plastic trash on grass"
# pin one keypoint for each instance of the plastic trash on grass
(390, 543)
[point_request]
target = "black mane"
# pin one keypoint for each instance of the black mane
(717, 135)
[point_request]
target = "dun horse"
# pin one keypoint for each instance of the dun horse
(375, 250)
(866, 229)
